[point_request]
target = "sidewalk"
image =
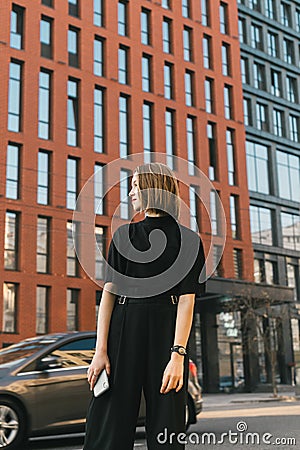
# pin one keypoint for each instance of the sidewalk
(212, 401)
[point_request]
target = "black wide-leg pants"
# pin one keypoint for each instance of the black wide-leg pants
(139, 341)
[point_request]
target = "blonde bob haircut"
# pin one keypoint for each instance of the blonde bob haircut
(159, 190)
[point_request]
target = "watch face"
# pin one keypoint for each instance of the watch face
(181, 351)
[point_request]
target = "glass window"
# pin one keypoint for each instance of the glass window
(166, 4)
(256, 37)
(238, 263)
(13, 171)
(41, 310)
(193, 208)
(259, 76)
(123, 126)
(187, 44)
(124, 190)
(290, 231)
(262, 122)
(258, 167)
(168, 81)
(288, 51)
(294, 128)
(230, 147)
(72, 264)
(122, 17)
(206, 45)
(271, 272)
(72, 309)
(73, 46)
(234, 217)
(99, 252)
(147, 131)
(261, 225)
(217, 261)
(98, 120)
(15, 96)
(170, 140)
(98, 56)
(292, 277)
(79, 352)
(214, 213)
(48, 3)
(270, 9)
(278, 129)
(224, 28)
(42, 245)
(209, 95)
(145, 27)
(73, 8)
(291, 89)
(273, 46)
(46, 37)
(167, 43)
(285, 13)
(247, 111)
(9, 320)
(186, 8)
(98, 13)
(212, 145)
(191, 144)
(226, 70)
(73, 113)
(72, 182)
(11, 241)
(17, 27)
(242, 31)
(44, 121)
(189, 88)
(255, 4)
(228, 102)
(288, 172)
(43, 194)
(298, 20)
(98, 189)
(245, 70)
(146, 73)
(123, 65)
(205, 13)
(276, 86)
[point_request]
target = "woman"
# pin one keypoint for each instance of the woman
(142, 336)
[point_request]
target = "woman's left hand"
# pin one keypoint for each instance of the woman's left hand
(173, 374)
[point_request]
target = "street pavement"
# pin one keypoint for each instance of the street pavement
(227, 422)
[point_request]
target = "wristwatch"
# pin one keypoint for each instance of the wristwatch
(178, 349)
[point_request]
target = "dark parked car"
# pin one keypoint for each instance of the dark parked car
(44, 390)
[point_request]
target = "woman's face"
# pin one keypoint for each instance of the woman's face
(135, 194)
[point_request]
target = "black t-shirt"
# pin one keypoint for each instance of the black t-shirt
(155, 256)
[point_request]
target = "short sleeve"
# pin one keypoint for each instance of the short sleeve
(115, 261)
(190, 283)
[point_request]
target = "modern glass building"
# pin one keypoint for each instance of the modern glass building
(270, 62)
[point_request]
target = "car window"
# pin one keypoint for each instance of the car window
(76, 353)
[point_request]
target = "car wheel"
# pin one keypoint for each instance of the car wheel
(12, 425)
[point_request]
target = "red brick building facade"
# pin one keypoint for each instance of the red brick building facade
(84, 83)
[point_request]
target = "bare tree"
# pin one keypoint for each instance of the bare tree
(266, 317)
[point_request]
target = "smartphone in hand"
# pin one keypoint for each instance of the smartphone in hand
(102, 383)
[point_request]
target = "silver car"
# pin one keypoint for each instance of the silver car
(44, 389)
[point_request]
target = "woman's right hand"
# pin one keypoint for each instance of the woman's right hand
(99, 362)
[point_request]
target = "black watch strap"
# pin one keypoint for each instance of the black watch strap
(178, 349)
